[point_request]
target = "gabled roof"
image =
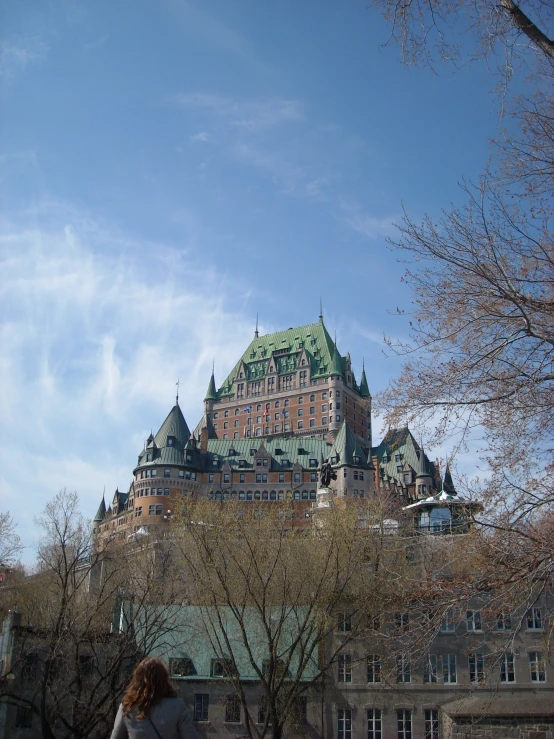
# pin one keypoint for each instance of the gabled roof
(284, 349)
(346, 447)
(400, 442)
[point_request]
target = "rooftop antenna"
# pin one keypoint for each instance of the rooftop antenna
(256, 331)
(321, 310)
(177, 395)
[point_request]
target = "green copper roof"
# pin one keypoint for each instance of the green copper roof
(335, 367)
(346, 447)
(400, 442)
(296, 450)
(101, 512)
(421, 466)
(364, 387)
(162, 452)
(281, 352)
(212, 392)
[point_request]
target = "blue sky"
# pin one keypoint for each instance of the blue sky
(170, 169)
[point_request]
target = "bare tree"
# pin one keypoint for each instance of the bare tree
(273, 594)
(10, 543)
(76, 643)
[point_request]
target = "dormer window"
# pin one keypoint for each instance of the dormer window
(313, 462)
(170, 441)
(148, 457)
(252, 452)
(214, 462)
(334, 460)
(385, 458)
(356, 459)
(189, 457)
(242, 462)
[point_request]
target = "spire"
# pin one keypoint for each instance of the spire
(101, 512)
(212, 392)
(256, 332)
(421, 466)
(177, 394)
(448, 483)
(320, 310)
(364, 387)
(336, 365)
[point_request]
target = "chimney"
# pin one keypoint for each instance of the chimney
(204, 440)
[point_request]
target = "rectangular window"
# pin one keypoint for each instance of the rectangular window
(210, 477)
(201, 703)
(344, 664)
(403, 669)
(297, 477)
(374, 723)
(431, 723)
(151, 510)
(534, 619)
(449, 675)
(402, 621)
(373, 668)
(430, 669)
(473, 620)
(344, 621)
(167, 473)
(226, 477)
(313, 476)
(344, 723)
(537, 667)
(181, 473)
(404, 724)
(507, 669)
(312, 422)
(159, 509)
(300, 424)
(476, 663)
(166, 491)
(138, 511)
(503, 622)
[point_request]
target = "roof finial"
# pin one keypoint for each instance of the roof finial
(177, 394)
(213, 366)
(256, 331)
(321, 310)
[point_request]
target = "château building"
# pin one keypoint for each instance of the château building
(290, 402)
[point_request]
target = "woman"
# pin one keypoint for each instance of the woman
(150, 708)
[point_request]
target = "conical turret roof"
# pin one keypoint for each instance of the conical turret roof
(168, 444)
(335, 368)
(421, 465)
(212, 391)
(448, 483)
(101, 512)
(364, 387)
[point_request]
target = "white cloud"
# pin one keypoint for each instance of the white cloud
(97, 328)
(17, 53)
(200, 138)
(249, 114)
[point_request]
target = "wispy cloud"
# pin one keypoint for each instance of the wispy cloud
(18, 53)
(201, 137)
(366, 224)
(97, 328)
(250, 114)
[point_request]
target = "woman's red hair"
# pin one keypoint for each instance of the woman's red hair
(149, 684)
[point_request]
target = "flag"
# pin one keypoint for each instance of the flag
(248, 409)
